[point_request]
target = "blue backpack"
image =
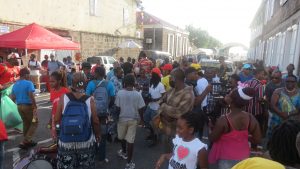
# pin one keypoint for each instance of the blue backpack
(76, 123)
(101, 98)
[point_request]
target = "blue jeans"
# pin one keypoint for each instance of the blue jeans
(1, 154)
(148, 116)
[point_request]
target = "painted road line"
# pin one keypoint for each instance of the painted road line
(17, 148)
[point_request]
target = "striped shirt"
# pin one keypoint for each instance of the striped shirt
(255, 106)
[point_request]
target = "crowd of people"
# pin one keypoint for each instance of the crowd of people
(203, 118)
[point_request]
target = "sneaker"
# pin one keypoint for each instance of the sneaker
(130, 165)
(122, 154)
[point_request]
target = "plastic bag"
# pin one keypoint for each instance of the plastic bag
(10, 115)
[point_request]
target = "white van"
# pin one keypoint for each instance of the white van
(107, 61)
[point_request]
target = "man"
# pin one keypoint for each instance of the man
(167, 68)
(117, 79)
(275, 83)
(22, 95)
(130, 103)
(35, 67)
(145, 63)
(127, 66)
(53, 65)
(9, 72)
(255, 105)
(111, 73)
(98, 64)
(246, 73)
(290, 71)
(44, 72)
(99, 88)
(177, 101)
(86, 69)
(192, 77)
(69, 64)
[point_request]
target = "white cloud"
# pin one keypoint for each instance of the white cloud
(226, 20)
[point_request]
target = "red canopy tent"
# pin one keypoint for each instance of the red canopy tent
(35, 36)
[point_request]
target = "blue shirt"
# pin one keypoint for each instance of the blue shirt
(21, 90)
(244, 78)
(110, 74)
(91, 87)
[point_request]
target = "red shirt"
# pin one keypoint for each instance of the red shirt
(8, 73)
(54, 97)
(145, 64)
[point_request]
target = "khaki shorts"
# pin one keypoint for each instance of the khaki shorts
(127, 130)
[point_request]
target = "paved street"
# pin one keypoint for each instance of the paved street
(144, 157)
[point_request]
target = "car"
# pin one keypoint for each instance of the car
(107, 61)
(207, 63)
(156, 55)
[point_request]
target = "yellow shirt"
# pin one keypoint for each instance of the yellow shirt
(165, 82)
(258, 163)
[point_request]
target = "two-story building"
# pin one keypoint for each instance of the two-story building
(163, 36)
(275, 34)
(98, 25)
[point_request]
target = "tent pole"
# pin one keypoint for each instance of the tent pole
(26, 53)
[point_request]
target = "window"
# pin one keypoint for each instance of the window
(282, 2)
(105, 60)
(111, 60)
(171, 44)
(94, 8)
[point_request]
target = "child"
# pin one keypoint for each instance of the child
(188, 151)
(57, 89)
(130, 102)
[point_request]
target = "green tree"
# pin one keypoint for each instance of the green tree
(201, 38)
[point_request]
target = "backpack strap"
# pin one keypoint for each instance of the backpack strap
(73, 98)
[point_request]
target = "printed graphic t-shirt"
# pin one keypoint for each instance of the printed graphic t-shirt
(185, 155)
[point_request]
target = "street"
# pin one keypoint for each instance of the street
(143, 156)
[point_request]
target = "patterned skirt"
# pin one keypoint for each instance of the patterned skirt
(83, 158)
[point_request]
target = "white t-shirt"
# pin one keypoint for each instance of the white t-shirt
(155, 94)
(201, 86)
(35, 64)
(185, 154)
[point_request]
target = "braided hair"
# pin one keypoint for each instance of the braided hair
(282, 145)
(193, 120)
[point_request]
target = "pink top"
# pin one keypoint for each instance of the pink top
(231, 146)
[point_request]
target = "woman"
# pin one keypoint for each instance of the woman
(283, 146)
(57, 90)
(77, 154)
(156, 91)
(285, 102)
(230, 133)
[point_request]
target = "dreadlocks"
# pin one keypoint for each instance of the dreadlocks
(282, 145)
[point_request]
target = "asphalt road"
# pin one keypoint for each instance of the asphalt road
(144, 157)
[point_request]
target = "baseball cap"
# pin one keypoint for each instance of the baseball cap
(246, 66)
(196, 66)
(13, 56)
(167, 67)
(156, 70)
